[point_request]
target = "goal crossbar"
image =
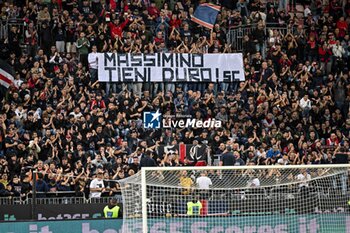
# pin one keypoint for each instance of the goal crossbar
(205, 168)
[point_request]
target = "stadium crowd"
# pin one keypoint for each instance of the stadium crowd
(79, 134)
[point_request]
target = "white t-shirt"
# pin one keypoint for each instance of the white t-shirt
(92, 58)
(255, 182)
(76, 115)
(307, 11)
(303, 179)
(305, 103)
(95, 183)
(203, 182)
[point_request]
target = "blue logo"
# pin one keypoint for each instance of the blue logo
(152, 120)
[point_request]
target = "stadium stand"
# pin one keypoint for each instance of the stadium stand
(79, 134)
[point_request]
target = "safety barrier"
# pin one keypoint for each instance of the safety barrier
(235, 35)
(67, 197)
(6, 25)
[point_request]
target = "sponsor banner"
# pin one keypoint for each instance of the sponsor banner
(253, 224)
(159, 207)
(170, 67)
(51, 212)
(69, 226)
(322, 223)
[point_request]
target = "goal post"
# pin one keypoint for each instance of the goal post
(238, 199)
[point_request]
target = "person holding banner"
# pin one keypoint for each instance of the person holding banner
(93, 64)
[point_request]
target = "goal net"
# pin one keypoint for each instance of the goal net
(252, 199)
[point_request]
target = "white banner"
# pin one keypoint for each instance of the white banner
(170, 67)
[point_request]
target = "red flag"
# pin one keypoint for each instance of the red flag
(6, 74)
(182, 152)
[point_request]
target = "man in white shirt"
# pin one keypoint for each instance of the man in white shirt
(307, 11)
(93, 63)
(305, 105)
(203, 182)
(21, 114)
(338, 50)
(303, 177)
(338, 53)
(97, 186)
(304, 191)
(254, 183)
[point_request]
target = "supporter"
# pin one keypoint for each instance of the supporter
(83, 45)
(186, 183)
(305, 105)
(41, 185)
(203, 183)
(97, 185)
(44, 15)
(59, 36)
(93, 64)
(148, 160)
(227, 158)
(239, 160)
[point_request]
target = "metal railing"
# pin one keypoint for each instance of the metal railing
(3, 29)
(11, 201)
(6, 25)
(56, 198)
(235, 35)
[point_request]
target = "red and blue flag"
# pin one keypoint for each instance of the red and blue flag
(205, 15)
